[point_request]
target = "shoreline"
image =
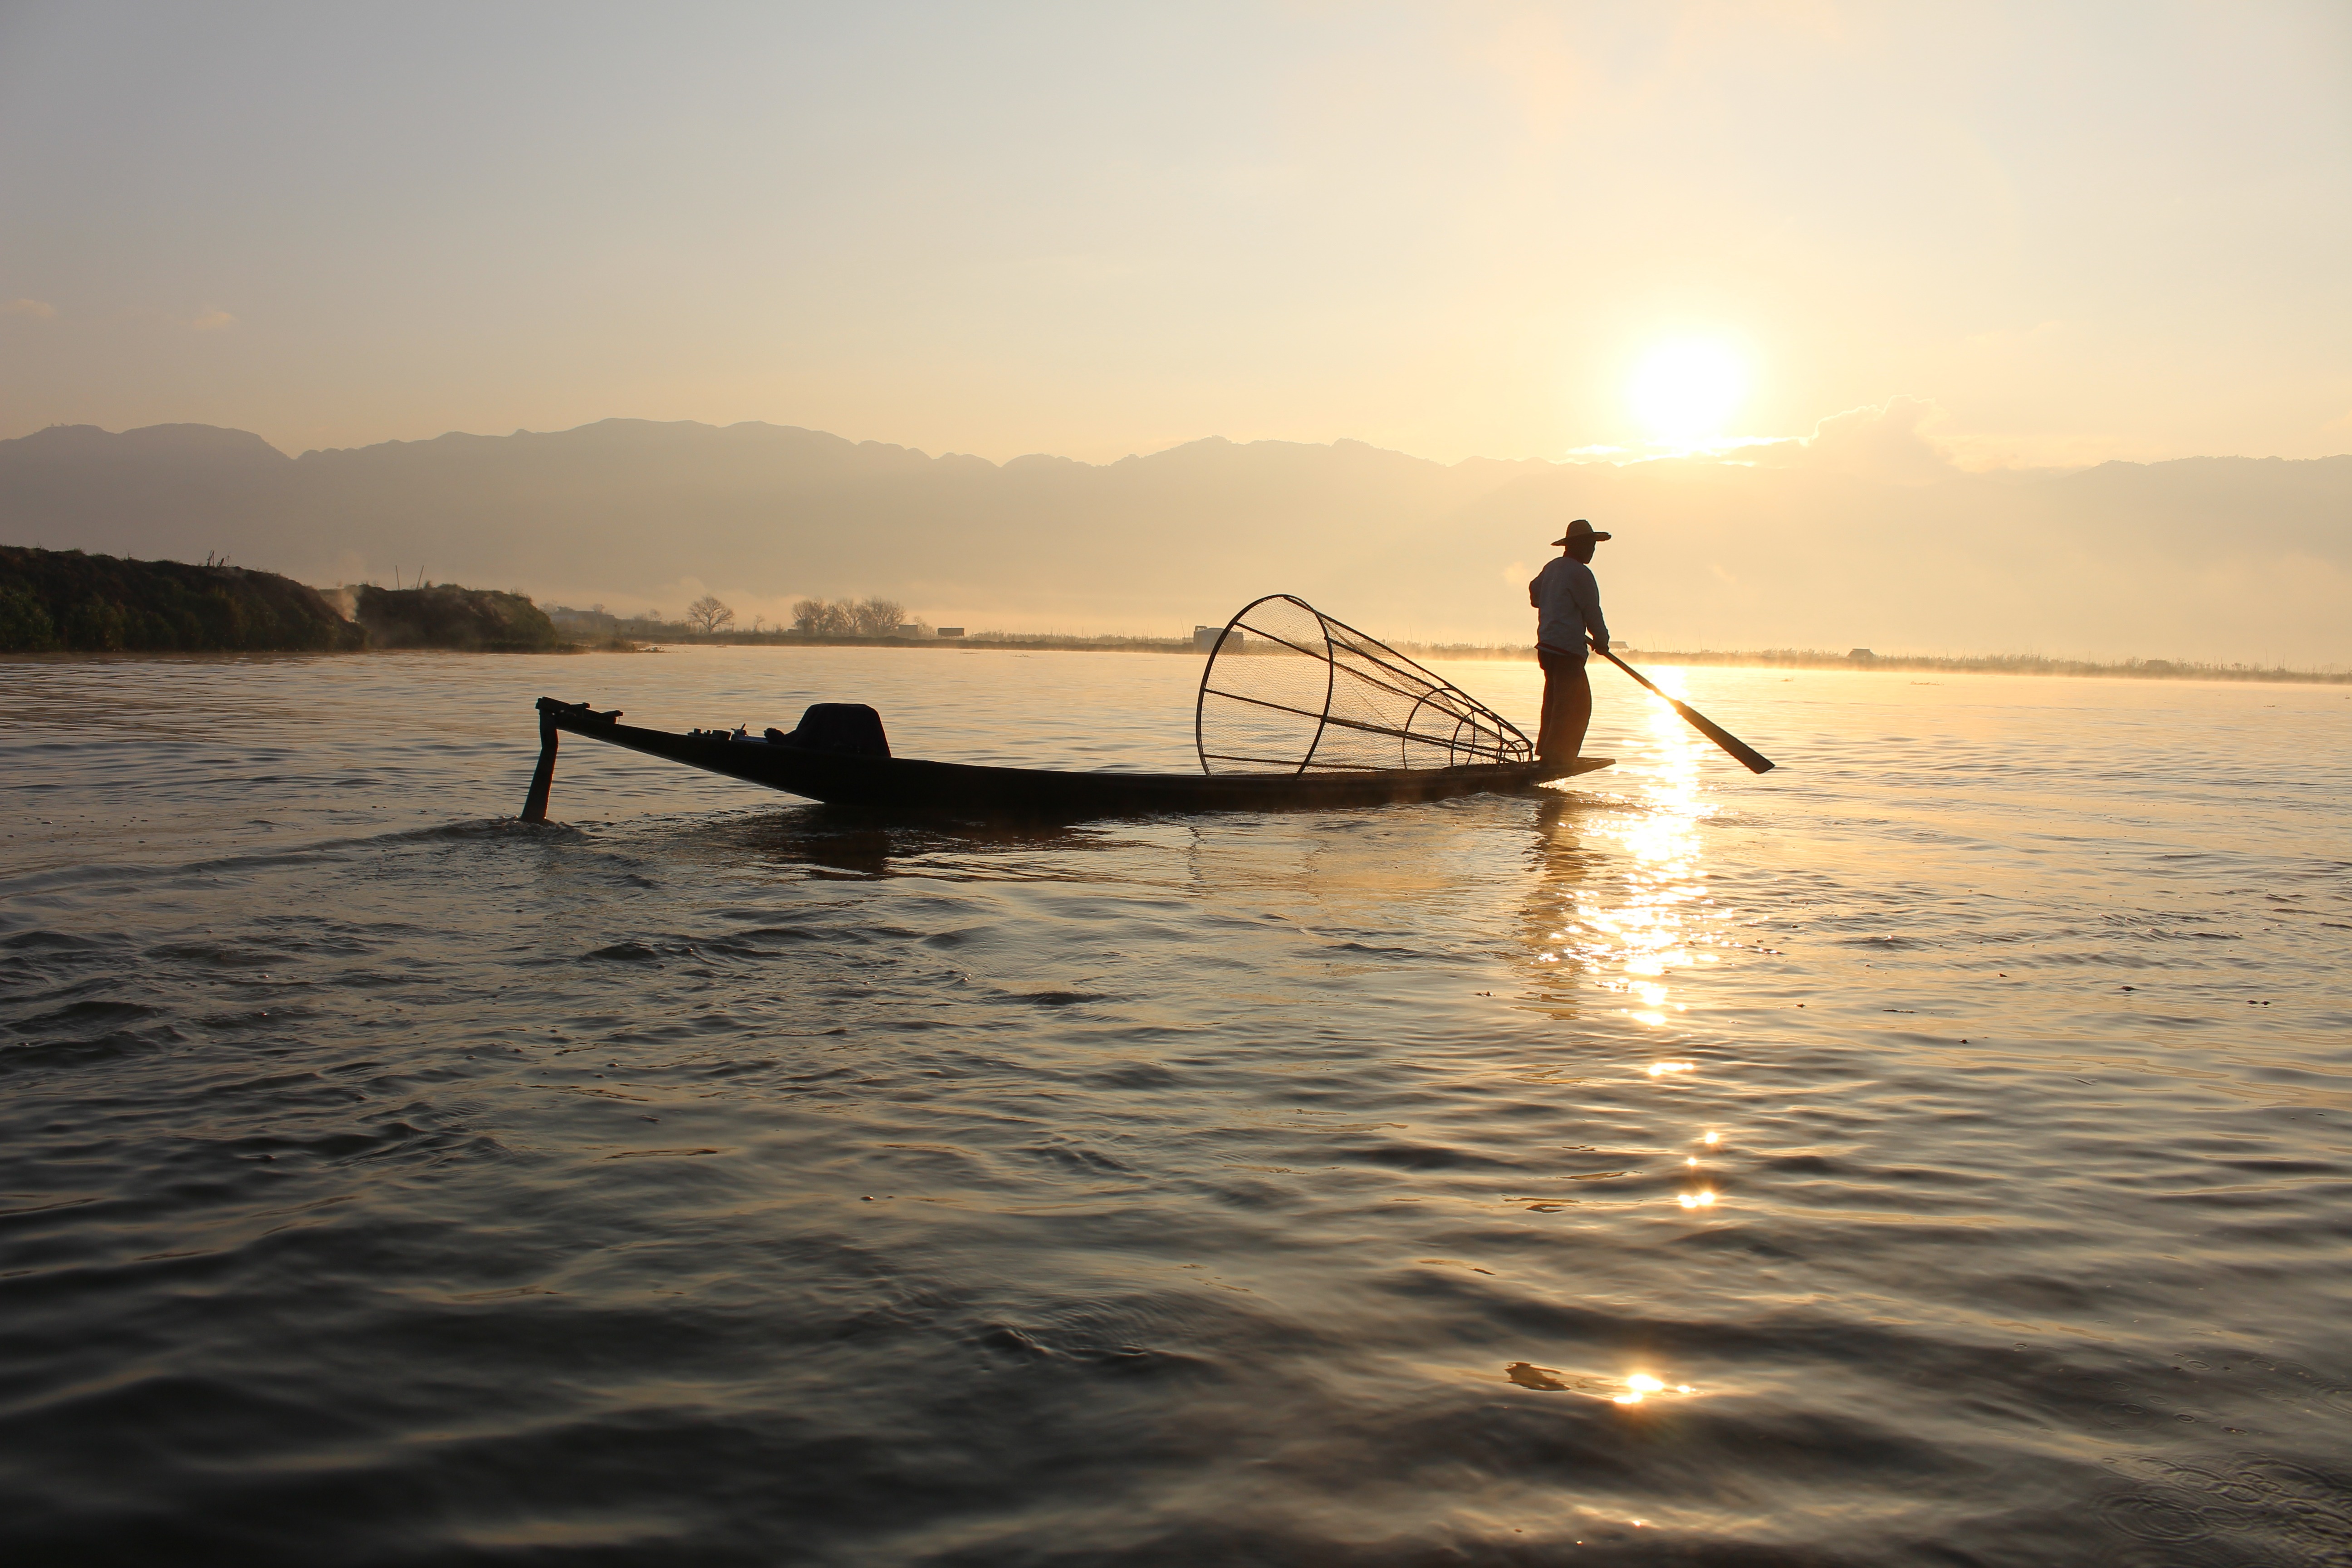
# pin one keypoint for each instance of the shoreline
(1771, 658)
(2088, 669)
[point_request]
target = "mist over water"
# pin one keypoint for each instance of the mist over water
(1932, 1151)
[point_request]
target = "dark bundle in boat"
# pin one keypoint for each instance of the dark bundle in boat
(1295, 710)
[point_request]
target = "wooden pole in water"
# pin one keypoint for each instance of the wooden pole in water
(543, 778)
(1754, 761)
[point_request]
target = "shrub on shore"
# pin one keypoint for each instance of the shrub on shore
(445, 616)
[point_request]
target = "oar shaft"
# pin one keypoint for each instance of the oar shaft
(1631, 671)
(1754, 761)
(542, 777)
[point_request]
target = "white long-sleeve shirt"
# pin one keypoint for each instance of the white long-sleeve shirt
(1567, 598)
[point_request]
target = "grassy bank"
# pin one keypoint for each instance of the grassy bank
(480, 620)
(64, 601)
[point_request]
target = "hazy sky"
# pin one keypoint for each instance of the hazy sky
(1514, 230)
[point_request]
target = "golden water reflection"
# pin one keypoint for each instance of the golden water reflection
(1621, 902)
(1634, 1388)
(1621, 908)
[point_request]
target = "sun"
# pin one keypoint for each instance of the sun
(1684, 393)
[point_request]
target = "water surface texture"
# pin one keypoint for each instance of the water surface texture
(1933, 1152)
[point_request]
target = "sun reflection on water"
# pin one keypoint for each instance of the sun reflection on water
(1625, 903)
(1622, 912)
(1634, 1388)
(1640, 1386)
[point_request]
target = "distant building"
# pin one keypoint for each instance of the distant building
(1205, 638)
(950, 631)
(910, 631)
(1860, 655)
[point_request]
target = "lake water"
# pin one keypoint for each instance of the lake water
(1933, 1152)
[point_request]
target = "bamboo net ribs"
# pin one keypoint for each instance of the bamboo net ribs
(1288, 689)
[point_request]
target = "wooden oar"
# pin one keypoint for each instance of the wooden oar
(1749, 757)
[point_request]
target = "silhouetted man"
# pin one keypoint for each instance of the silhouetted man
(1568, 609)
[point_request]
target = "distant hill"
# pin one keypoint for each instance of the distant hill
(1862, 536)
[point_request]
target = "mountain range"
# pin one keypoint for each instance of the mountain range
(1861, 535)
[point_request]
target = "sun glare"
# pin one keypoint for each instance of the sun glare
(1684, 393)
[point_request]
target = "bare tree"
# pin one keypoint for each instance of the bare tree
(816, 618)
(708, 615)
(877, 617)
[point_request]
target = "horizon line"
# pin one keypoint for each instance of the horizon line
(1717, 453)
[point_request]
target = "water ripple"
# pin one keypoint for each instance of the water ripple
(1932, 1151)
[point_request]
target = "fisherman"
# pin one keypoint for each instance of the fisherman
(1568, 609)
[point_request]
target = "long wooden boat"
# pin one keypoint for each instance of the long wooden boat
(905, 784)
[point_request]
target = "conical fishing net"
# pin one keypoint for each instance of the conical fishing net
(1290, 690)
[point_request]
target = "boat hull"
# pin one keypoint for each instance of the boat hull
(905, 784)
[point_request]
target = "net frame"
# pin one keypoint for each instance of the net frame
(1366, 685)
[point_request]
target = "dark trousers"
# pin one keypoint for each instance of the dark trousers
(1567, 706)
